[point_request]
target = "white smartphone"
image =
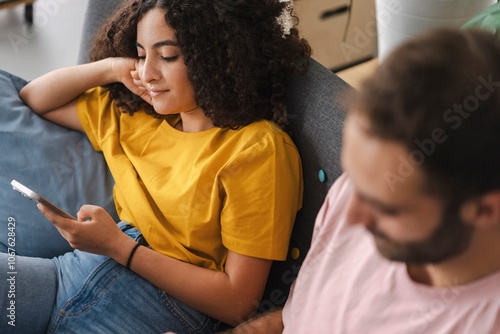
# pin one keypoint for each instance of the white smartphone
(26, 192)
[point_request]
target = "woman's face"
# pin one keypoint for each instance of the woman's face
(161, 65)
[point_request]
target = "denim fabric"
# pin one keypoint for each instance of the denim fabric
(27, 294)
(95, 294)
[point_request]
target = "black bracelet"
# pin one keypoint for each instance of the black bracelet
(132, 252)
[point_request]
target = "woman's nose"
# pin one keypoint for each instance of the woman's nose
(149, 71)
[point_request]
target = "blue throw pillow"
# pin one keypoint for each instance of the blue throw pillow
(58, 163)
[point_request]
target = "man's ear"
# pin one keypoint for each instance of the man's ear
(482, 212)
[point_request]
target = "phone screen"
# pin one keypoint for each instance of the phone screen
(26, 192)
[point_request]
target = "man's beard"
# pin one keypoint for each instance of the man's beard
(450, 238)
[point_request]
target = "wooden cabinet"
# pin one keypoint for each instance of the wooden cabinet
(28, 9)
(340, 32)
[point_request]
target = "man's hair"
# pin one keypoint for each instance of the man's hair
(439, 96)
(238, 53)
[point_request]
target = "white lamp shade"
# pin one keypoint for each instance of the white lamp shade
(398, 20)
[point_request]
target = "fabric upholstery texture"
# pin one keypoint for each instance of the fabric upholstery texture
(97, 12)
(57, 163)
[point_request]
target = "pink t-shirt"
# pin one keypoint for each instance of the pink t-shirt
(345, 286)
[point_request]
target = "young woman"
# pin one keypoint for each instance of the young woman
(186, 101)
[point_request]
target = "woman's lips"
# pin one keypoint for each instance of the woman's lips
(156, 93)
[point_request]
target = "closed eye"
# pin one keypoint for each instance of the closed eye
(169, 59)
(380, 207)
(388, 211)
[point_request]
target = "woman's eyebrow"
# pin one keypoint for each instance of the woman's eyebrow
(157, 45)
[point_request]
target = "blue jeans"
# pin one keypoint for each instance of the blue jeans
(80, 292)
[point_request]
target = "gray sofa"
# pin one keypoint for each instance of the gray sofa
(316, 104)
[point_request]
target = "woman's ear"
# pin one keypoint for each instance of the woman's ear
(482, 212)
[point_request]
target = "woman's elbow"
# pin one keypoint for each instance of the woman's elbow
(241, 312)
(26, 94)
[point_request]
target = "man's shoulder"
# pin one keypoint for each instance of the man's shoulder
(332, 232)
(336, 202)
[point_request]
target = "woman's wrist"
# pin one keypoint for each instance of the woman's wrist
(120, 250)
(119, 69)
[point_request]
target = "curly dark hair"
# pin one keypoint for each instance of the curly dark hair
(238, 53)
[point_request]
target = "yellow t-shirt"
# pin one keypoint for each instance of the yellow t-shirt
(195, 195)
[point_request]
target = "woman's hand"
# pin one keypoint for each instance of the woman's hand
(125, 70)
(95, 231)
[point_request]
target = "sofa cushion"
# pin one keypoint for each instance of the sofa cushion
(57, 163)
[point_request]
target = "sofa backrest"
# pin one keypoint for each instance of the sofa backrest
(97, 12)
(317, 108)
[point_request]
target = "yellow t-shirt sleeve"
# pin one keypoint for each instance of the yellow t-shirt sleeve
(92, 107)
(263, 186)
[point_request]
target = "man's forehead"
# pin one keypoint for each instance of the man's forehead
(378, 167)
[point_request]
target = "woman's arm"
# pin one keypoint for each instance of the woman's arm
(54, 95)
(230, 296)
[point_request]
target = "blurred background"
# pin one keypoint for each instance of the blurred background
(349, 37)
(52, 41)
